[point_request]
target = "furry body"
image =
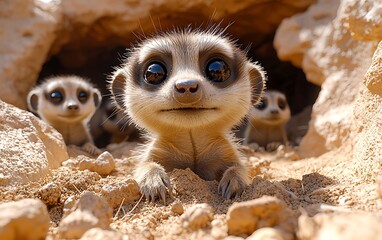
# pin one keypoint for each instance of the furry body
(67, 103)
(187, 89)
(267, 120)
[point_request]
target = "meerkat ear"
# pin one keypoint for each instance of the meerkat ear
(32, 100)
(117, 87)
(258, 79)
(97, 97)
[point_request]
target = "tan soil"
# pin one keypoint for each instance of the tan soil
(308, 185)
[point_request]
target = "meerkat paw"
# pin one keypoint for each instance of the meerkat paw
(271, 147)
(153, 181)
(233, 182)
(91, 149)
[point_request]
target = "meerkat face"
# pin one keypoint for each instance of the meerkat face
(273, 109)
(67, 99)
(187, 80)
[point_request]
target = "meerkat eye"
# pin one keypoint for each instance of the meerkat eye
(155, 73)
(217, 70)
(82, 96)
(282, 104)
(56, 97)
(261, 105)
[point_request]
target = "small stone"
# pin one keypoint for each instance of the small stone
(125, 191)
(103, 165)
(266, 233)
(101, 234)
(50, 194)
(177, 208)
(69, 203)
(379, 185)
(24, 219)
(349, 226)
(197, 216)
(245, 217)
(90, 211)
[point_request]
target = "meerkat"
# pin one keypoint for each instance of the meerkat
(110, 125)
(267, 120)
(187, 89)
(66, 103)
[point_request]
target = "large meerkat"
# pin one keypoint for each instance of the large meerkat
(267, 120)
(67, 103)
(187, 89)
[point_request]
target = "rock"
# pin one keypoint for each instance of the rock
(29, 29)
(101, 234)
(69, 204)
(245, 217)
(267, 233)
(336, 226)
(103, 165)
(379, 185)
(197, 216)
(320, 42)
(50, 194)
(364, 18)
(36, 30)
(90, 211)
(121, 192)
(29, 148)
(24, 219)
(177, 208)
(368, 140)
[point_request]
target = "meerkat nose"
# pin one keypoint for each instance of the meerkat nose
(73, 106)
(187, 91)
(274, 111)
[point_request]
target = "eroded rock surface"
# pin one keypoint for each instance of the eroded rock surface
(322, 44)
(24, 219)
(90, 211)
(247, 217)
(350, 226)
(29, 148)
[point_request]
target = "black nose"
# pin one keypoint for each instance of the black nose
(73, 107)
(274, 111)
(187, 86)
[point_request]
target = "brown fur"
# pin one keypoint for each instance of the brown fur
(265, 127)
(72, 124)
(191, 129)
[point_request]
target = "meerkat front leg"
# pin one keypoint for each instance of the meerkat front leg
(153, 181)
(233, 182)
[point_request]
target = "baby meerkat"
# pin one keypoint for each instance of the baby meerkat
(267, 120)
(67, 103)
(187, 89)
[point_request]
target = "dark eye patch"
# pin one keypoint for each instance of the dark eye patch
(281, 103)
(262, 104)
(82, 96)
(56, 96)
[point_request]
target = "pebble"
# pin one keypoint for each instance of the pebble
(89, 211)
(103, 165)
(24, 219)
(197, 216)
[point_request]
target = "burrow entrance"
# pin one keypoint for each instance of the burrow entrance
(96, 61)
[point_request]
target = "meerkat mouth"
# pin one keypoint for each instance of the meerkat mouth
(187, 109)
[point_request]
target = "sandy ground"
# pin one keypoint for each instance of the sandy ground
(309, 185)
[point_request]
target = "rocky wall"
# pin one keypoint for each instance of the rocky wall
(322, 41)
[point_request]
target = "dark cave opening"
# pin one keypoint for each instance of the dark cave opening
(98, 63)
